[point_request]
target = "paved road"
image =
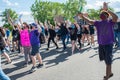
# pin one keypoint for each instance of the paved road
(58, 65)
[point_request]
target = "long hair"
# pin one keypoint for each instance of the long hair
(2, 31)
(26, 25)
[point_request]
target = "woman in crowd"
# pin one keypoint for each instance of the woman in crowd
(52, 35)
(35, 44)
(25, 41)
(73, 35)
(3, 44)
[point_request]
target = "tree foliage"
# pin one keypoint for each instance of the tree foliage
(71, 8)
(4, 16)
(44, 10)
(11, 13)
(94, 14)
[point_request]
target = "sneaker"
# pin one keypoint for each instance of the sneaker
(33, 69)
(47, 49)
(12, 51)
(88, 44)
(30, 62)
(40, 65)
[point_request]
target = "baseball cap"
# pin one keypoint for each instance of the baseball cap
(34, 25)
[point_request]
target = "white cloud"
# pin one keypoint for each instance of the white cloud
(10, 3)
(25, 13)
(89, 6)
(96, 4)
(117, 9)
(16, 3)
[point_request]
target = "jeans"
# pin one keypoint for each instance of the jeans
(3, 76)
(63, 37)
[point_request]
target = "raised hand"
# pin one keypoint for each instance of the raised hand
(105, 6)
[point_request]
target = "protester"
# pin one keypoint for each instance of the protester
(35, 43)
(3, 76)
(3, 45)
(79, 35)
(92, 31)
(105, 36)
(15, 36)
(73, 36)
(63, 34)
(52, 36)
(25, 42)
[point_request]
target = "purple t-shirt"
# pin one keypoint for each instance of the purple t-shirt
(34, 37)
(105, 32)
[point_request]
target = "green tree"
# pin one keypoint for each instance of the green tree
(94, 14)
(11, 13)
(4, 16)
(71, 8)
(43, 10)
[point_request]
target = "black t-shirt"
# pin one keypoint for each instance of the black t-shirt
(16, 34)
(63, 30)
(52, 33)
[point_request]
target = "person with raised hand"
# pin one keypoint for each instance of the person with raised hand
(35, 44)
(105, 36)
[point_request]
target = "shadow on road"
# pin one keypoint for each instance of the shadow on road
(18, 66)
(85, 49)
(61, 56)
(118, 58)
(93, 55)
(16, 76)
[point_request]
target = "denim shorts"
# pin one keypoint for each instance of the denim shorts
(105, 53)
(35, 50)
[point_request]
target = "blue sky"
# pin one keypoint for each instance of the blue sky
(23, 6)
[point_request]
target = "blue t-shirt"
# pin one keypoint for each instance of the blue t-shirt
(34, 38)
(7, 33)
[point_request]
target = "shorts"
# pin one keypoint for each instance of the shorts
(92, 32)
(91, 28)
(35, 50)
(79, 36)
(2, 50)
(105, 53)
(73, 37)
